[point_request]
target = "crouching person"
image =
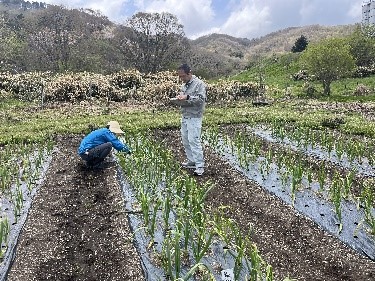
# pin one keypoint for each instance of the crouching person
(96, 146)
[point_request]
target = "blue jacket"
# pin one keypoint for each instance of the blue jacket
(99, 137)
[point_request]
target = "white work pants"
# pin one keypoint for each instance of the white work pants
(191, 129)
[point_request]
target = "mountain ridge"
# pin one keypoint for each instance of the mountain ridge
(230, 54)
(216, 55)
(267, 44)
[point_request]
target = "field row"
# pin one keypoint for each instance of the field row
(179, 238)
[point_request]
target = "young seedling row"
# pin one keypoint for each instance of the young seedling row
(22, 169)
(318, 182)
(183, 239)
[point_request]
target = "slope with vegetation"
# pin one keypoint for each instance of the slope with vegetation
(54, 38)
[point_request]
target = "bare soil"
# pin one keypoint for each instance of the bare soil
(77, 228)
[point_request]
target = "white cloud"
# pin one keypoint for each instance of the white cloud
(112, 9)
(307, 9)
(355, 11)
(195, 15)
(247, 20)
(240, 18)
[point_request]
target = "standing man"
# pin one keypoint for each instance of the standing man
(193, 91)
(96, 146)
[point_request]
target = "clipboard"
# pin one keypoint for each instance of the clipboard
(178, 102)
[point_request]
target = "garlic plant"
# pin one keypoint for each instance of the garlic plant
(189, 230)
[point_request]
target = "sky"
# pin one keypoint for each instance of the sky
(239, 18)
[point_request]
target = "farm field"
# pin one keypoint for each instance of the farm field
(78, 229)
(294, 244)
(145, 218)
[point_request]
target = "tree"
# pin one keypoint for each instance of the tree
(362, 47)
(12, 43)
(51, 37)
(328, 60)
(300, 44)
(56, 33)
(152, 42)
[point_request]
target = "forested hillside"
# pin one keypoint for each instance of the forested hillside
(40, 37)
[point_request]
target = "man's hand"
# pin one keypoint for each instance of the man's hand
(182, 96)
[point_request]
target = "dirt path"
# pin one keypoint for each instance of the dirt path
(76, 228)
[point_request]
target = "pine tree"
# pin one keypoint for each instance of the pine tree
(300, 44)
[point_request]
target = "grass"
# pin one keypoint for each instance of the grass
(31, 124)
(277, 72)
(27, 121)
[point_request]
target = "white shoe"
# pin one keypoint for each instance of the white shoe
(199, 171)
(188, 164)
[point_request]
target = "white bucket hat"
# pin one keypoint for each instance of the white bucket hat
(114, 127)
